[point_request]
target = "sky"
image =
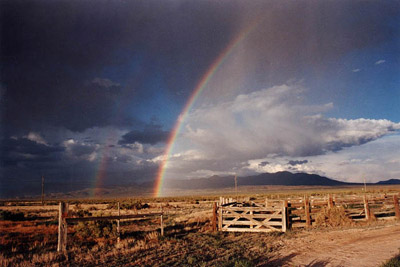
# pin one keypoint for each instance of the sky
(91, 91)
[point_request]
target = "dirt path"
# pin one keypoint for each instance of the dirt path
(352, 247)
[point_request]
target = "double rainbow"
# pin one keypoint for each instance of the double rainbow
(189, 104)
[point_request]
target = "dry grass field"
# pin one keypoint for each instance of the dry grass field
(28, 235)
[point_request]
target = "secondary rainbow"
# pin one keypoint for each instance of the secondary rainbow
(192, 99)
(102, 165)
(101, 171)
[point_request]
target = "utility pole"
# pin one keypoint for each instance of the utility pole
(42, 190)
(236, 187)
(365, 186)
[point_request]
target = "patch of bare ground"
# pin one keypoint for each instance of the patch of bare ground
(367, 246)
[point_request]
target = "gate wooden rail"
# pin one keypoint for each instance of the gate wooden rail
(279, 215)
(232, 217)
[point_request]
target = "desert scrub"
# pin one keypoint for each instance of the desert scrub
(237, 263)
(129, 205)
(96, 229)
(333, 217)
(79, 213)
(11, 216)
(393, 262)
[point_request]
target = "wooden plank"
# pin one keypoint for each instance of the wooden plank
(227, 204)
(256, 230)
(285, 216)
(214, 217)
(367, 210)
(299, 225)
(62, 227)
(255, 209)
(268, 220)
(118, 227)
(257, 216)
(330, 201)
(251, 213)
(307, 211)
(220, 218)
(396, 206)
(161, 222)
(270, 223)
(388, 218)
(251, 219)
(115, 217)
(254, 216)
(234, 218)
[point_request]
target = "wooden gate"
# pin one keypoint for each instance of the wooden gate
(234, 217)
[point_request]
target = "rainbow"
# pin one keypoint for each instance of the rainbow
(192, 99)
(101, 173)
(103, 164)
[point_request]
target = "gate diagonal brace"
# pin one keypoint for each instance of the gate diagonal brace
(235, 220)
(259, 224)
(268, 219)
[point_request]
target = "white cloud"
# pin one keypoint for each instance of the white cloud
(35, 137)
(375, 161)
(137, 147)
(355, 70)
(381, 61)
(81, 150)
(270, 123)
(274, 120)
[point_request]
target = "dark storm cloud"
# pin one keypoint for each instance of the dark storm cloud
(151, 134)
(310, 35)
(82, 64)
(22, 150)
(51, 49)
(123, 158)
(297, 162)
(81, 150)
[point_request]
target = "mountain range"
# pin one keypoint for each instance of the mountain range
(278, 178)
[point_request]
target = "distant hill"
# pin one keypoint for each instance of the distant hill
(390, 181)
(279, 178)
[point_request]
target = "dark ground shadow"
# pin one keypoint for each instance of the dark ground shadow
(287, 260)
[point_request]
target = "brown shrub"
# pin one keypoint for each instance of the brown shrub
(333, 217)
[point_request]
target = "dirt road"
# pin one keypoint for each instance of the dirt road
(351, 247)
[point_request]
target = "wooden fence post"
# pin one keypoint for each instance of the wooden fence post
(162, 222)
(307, 211)
(118, 227)
(285, 217)
(214, 217)
(62, 227)
(396, 206)
(220, 217)
(366, 209)
(330, 201)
